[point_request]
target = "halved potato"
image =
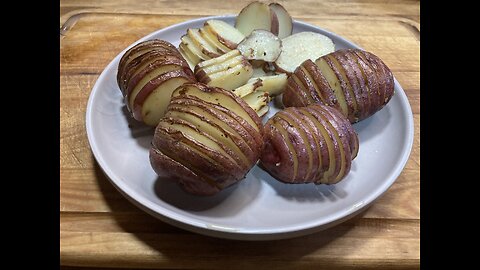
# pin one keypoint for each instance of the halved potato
(302, 46)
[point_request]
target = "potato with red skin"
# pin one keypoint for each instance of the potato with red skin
(208, 140)
(354, 81)
(313, 144)
(147, 75)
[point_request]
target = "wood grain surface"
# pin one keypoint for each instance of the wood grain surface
(99, 228)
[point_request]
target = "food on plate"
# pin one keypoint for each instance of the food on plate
(355, 82)
(258, 100)
(273, 85)
(214, 39)
(302, 46)
(224, 33)
(228, 71)
(208, 140)
(273, 17)
(285, 22)
(313, 144)
(147, 75)
(261, 45)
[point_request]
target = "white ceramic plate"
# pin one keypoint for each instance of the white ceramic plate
(259, 207)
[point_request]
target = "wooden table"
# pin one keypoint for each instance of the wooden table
(100, 228)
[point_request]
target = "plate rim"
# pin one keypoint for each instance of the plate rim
(179, 220)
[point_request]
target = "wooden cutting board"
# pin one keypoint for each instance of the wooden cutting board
(100, 228)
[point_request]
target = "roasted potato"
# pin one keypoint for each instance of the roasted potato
(208, 140)
(313, 144)
(353, 81)
(147, 75)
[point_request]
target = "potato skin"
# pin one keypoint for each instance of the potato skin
(281, 152)
(371, 81)
(198, 167)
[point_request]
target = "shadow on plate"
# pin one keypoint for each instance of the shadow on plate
(301, 192)
(142, 133)
(227, 202)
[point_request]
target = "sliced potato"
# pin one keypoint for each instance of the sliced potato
(248, 88)
(227, 71)
(256, 15)
(202, 74)
(261, 45)
(201, 144)
(212, 40)
(258, 100)
(285, 24)
(312, 144)
(274, 85)
(302, 46)
(202, 44)
(226, 34)
(188, 43)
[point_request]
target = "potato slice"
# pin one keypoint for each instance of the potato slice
(185, 51)
(256, 15)
(201, 43)
(302, 46)
(230, 78)
(202, 73)
(285, 23)
(261, 45)
(334, 83)
(218, 60)
(191, 63)
(226, 34)
(152, 100)
(188, 43)
(274, 85)
(258, 100)
(213, 41)
(248, 88)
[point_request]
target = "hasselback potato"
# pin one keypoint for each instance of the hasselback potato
(313, 144)
(355, 82)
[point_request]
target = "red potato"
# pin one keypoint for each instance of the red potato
(313, 144)
(353, 81)
(257, 15)
(147, 75)
(207, 132)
